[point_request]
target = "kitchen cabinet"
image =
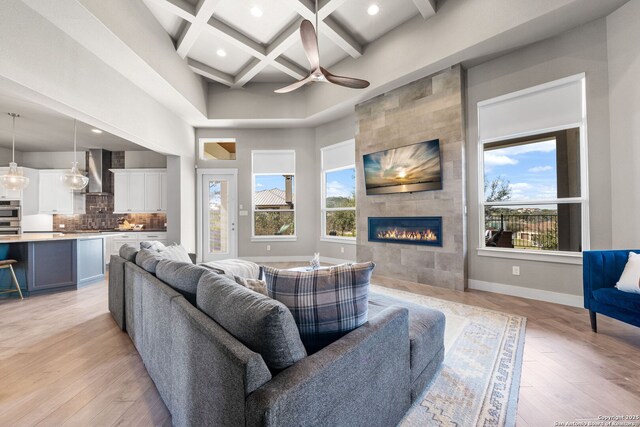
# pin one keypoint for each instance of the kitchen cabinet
(155, 192)
(28, 196)
(140, 190)
(134, 238)
(56, 198)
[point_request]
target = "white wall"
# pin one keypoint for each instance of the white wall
(583, 49)
(52, 160)
(623, 34)
(144, 159)
(42, 64)
(5, 157)
(306, 185)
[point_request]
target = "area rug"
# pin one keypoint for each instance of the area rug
(480, 377)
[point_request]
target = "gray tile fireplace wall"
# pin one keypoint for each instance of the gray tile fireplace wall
(429, 108)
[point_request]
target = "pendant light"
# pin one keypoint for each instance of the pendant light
(73, 178)
(14, 179)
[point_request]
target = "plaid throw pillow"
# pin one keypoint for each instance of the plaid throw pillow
(327, 303)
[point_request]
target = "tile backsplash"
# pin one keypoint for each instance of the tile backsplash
(99, 210)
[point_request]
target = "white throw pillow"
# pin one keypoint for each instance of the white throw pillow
(630, 279)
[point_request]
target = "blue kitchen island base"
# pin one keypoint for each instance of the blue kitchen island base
(56, 264)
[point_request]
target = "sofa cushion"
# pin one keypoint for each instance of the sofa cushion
(426, 330)
(326, 303)
(262, 324)
(181, 276)
(154, 245)
(175, 252)
(148, 259)
(617, 298)
(128, 252)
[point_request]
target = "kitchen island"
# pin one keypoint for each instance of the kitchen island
(51, 262)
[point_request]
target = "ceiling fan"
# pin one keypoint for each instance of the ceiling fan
(318, 73)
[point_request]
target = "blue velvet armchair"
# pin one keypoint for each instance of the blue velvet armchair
(601, 271)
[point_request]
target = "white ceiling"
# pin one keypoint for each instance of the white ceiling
(268, 49)
(41, 129)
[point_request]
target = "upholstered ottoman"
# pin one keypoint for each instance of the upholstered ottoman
(426, 338)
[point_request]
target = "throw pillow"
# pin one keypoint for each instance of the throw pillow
(256, 285)
(235, 267)
(181, 276)
(128, 252)
(630, 279)
(327, 303)
(262, 324)
(152, 244)
(175, 252)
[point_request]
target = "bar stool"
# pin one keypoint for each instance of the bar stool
(8, 263)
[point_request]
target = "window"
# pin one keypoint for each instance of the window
(532, 180)
(273, 201)
(338, 182)
(532, 193)
(218, 149)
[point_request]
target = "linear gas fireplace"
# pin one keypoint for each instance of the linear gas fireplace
(421, 230)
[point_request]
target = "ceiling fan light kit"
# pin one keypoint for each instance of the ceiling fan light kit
(14, 179)
(309, 37)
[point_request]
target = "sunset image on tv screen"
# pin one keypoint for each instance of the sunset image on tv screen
(405, 169)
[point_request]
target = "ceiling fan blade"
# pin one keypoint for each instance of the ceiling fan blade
(310, 43)
(295, 85)
(345, 81)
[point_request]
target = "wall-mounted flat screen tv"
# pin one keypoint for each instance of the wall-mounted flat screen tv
(405, 169)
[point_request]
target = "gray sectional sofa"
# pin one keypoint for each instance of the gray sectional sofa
(210, 375)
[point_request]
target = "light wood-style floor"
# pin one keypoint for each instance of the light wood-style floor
(63, 361)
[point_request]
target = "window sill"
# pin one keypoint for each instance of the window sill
(343, 240)
(274, 238)
(547, 256)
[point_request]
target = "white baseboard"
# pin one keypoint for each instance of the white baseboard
(329, 260)
(298, 258)
(536, 294)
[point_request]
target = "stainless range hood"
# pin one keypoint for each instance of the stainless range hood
(99, 163)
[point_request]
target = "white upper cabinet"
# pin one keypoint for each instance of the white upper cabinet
(55, 197)
(155, 197)
(139, 191)
(10, 194)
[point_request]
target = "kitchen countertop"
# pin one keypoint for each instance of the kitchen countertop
(43, 237)
(87, 231)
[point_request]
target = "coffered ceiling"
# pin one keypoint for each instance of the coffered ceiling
(234, 42)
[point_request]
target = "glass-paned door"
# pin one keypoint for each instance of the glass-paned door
(219, 217)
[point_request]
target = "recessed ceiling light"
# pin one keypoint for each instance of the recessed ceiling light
(373, 9)
(256, 11)
(94, 130)
(221, 52)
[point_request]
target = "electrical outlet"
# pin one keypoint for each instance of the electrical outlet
(61, 226)
(515, 270)
(268, 247)
(241, 207)
(342, 249)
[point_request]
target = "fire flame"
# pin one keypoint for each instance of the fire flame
(395, 234)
